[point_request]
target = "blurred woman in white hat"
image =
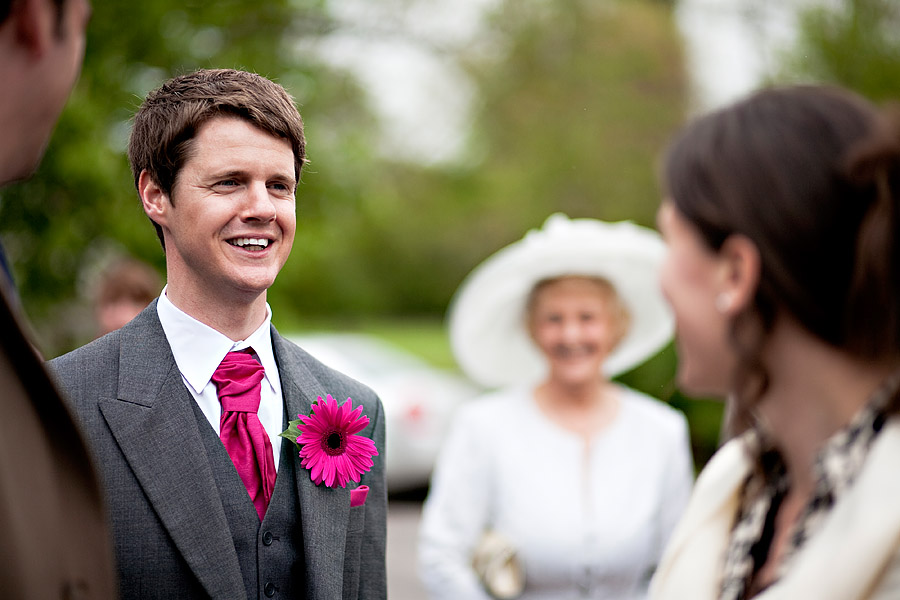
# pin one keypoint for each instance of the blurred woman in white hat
(562, 484)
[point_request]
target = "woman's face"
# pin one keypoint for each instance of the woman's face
(690, 277)
(570, 323)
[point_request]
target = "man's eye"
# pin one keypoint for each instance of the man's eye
(280, 187)
(227, 182)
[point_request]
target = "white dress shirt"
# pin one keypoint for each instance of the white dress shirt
(198, 350)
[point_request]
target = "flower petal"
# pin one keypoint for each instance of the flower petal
(358, 425)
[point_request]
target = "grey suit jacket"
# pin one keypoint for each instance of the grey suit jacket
(170, 529)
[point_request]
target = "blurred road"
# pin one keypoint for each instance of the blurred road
(402, 529)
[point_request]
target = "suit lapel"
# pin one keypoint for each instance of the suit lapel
(156, 429)
(324, 511)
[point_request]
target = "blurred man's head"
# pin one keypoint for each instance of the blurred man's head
(42, 45)
(123, 290)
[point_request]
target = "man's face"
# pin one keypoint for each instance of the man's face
(70, 43)
(229, 225)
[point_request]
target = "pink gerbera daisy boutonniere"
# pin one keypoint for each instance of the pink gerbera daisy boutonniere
(329, 445)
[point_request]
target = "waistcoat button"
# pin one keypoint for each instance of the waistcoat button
(267, 538)
(270, 589)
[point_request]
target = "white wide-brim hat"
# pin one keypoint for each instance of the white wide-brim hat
(487, 321)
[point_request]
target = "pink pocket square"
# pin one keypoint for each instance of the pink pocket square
(358, 496)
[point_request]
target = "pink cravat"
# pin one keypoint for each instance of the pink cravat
(237, 380)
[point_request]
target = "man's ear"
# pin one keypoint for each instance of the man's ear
(740, 267)
(156, 202)
(35, 25)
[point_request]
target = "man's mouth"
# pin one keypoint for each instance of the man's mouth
(252, 244)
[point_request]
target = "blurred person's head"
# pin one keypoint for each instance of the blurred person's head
(576, 322)
(42, 45)
(574, 301)
(781, 206)
(123, 290)
(170, 118)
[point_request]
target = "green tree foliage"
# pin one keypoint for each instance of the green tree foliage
(82, 206)
(855, 44)
(575, 100)
(591, 92)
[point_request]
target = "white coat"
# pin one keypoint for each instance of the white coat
(854, 556)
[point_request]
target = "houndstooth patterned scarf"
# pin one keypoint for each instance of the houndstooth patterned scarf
(836, 467)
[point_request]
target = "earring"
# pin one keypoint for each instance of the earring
(723, 303)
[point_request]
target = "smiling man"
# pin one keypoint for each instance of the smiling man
(184, 405)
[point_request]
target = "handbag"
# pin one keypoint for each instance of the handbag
(497, 565)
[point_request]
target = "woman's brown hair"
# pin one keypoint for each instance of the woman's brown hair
(811, 175)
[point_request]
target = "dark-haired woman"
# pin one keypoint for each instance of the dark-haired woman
(783, 270)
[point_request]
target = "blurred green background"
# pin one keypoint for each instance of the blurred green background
(572, 102)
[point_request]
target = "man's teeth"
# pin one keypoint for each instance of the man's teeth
(249, 242)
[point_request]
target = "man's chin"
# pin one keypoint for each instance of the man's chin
(253, 289)
(22, 171)
(255, 280)
(244, 290)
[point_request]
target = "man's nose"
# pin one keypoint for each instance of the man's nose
(258, 205)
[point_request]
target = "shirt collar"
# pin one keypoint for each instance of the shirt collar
(198, 348)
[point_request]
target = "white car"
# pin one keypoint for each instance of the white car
(419, 399)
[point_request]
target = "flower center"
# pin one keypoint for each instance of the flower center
(333, 444)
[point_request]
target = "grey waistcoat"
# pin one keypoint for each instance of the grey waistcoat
(270, 553)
